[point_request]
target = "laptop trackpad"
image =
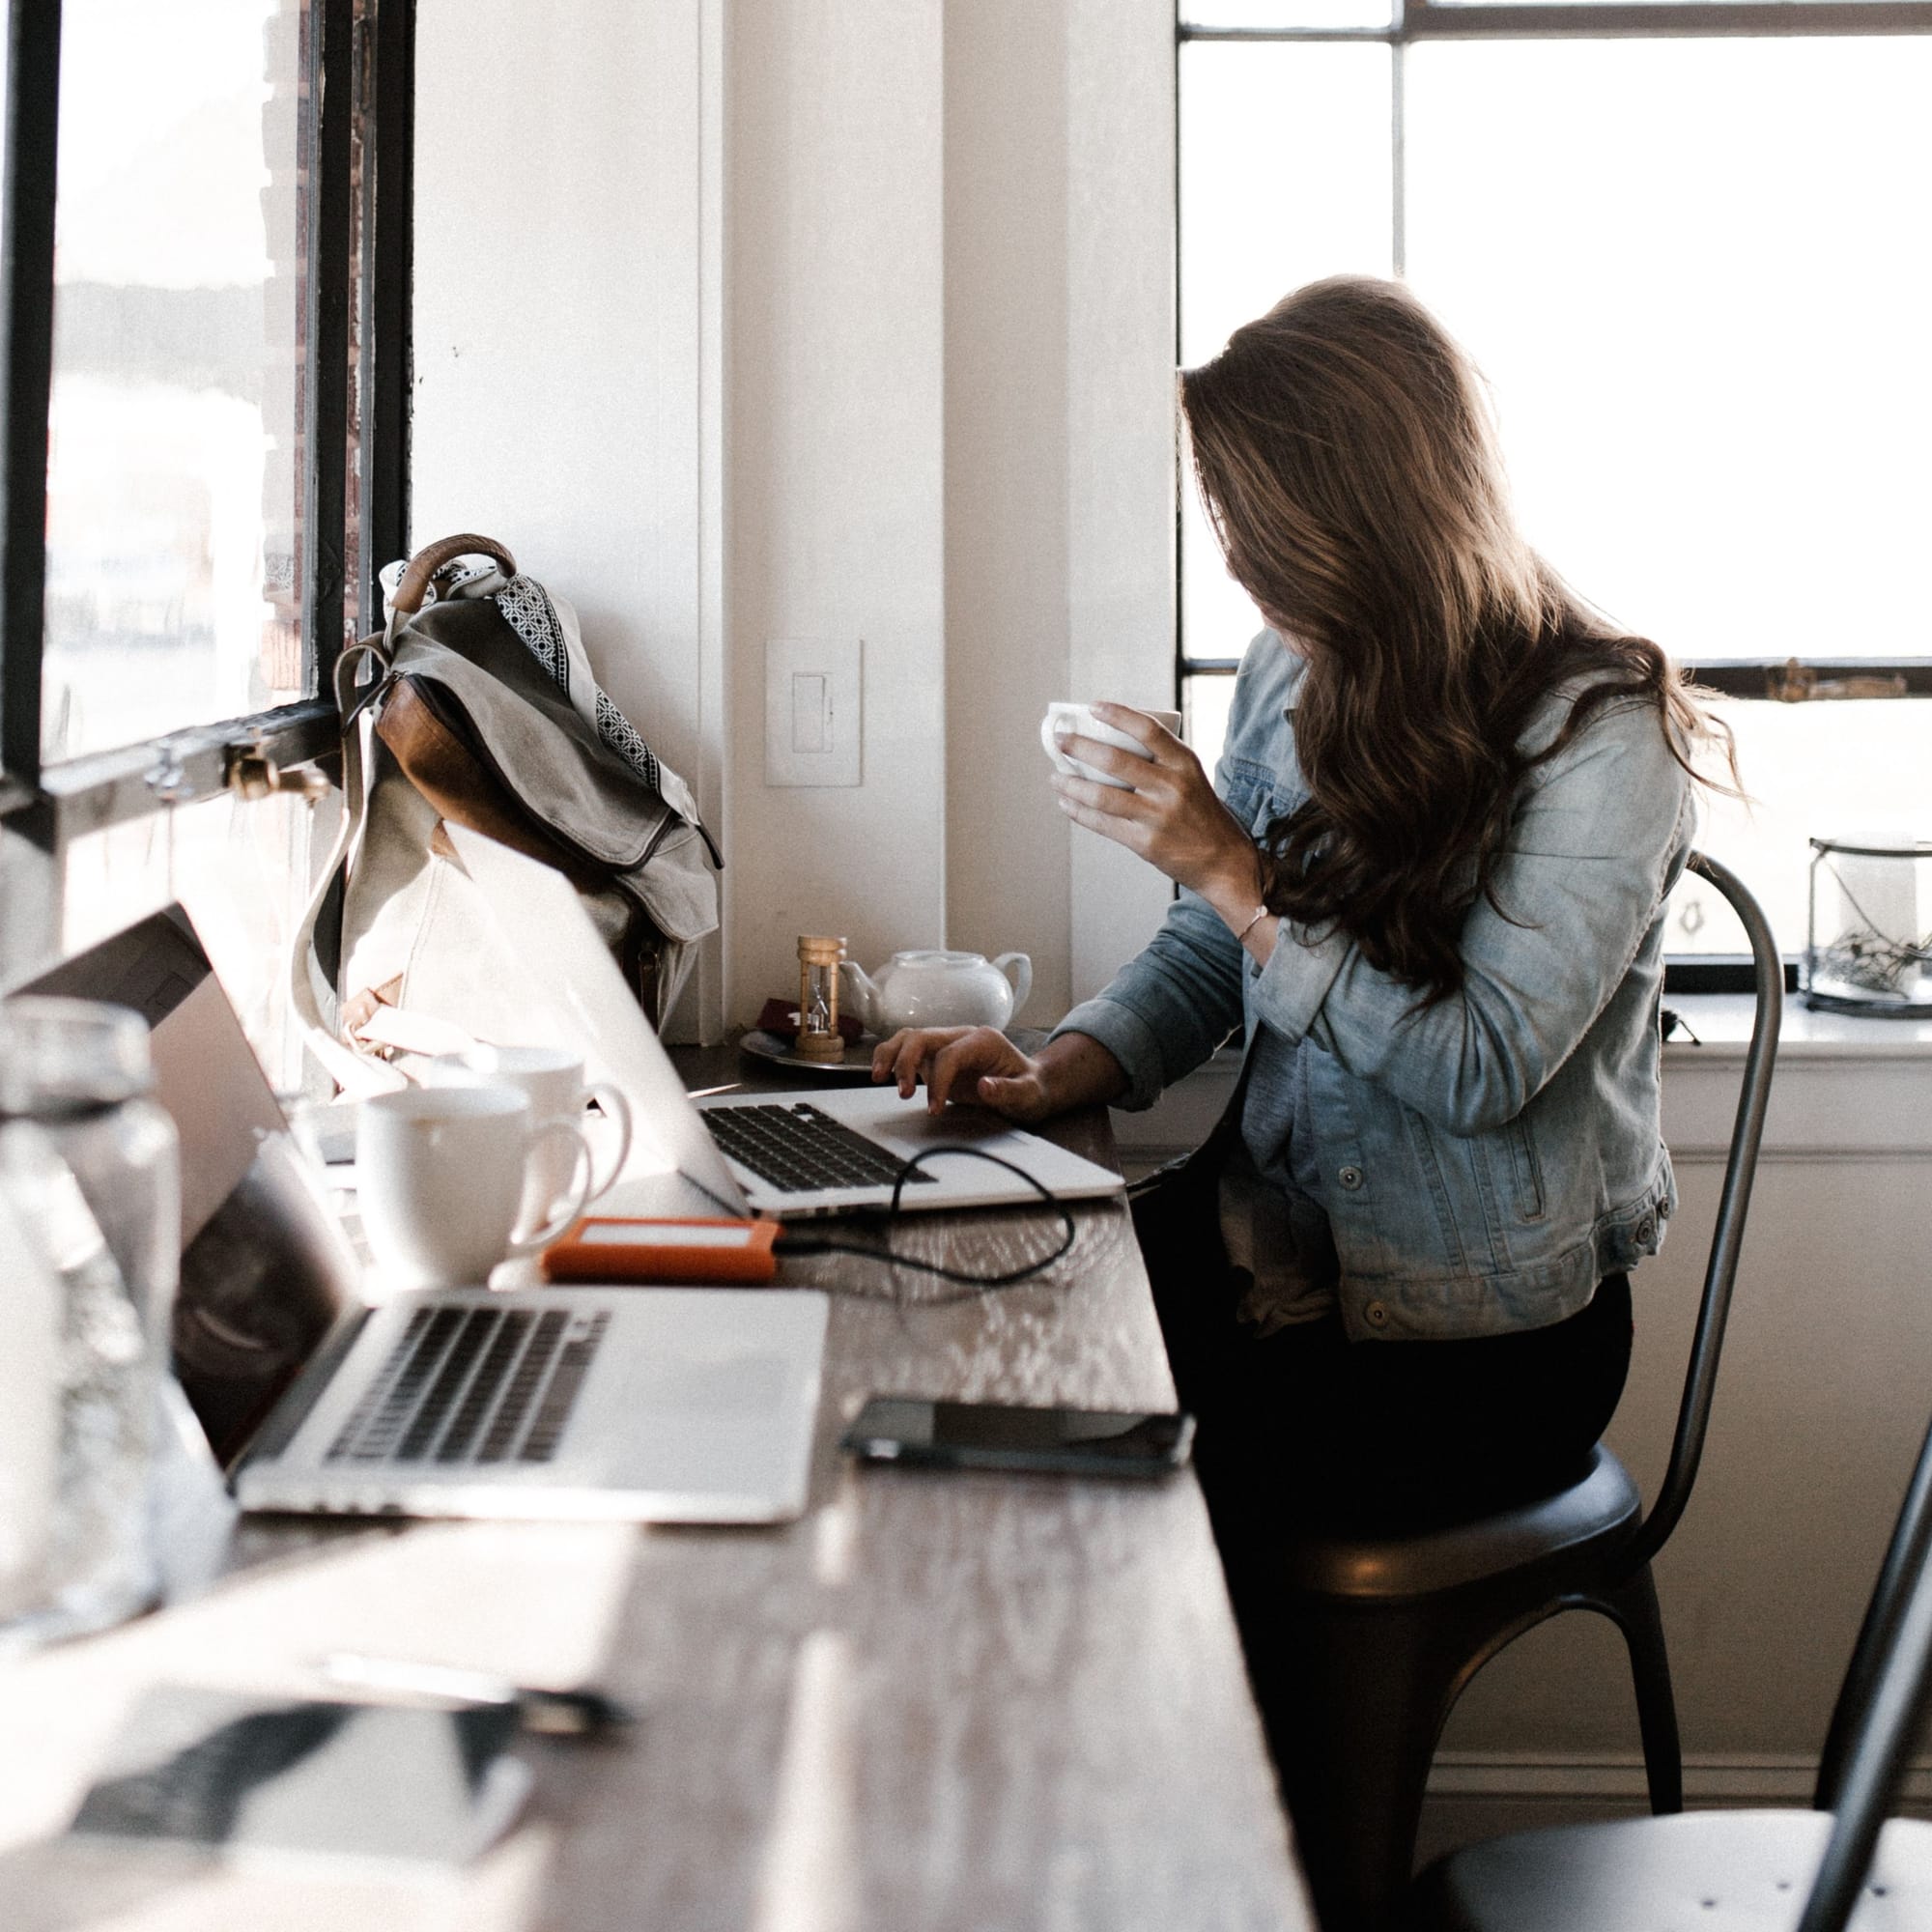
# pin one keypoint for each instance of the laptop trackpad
(959, 1126)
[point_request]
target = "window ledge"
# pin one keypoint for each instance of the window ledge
(1722, 1022)
(1846, 1088)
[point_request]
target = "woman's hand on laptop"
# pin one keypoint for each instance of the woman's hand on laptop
(980, 1065)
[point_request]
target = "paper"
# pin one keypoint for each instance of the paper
(245, 1774)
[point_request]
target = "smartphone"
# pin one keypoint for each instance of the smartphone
(992, 1435)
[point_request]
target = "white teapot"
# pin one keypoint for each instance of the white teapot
(920, 989)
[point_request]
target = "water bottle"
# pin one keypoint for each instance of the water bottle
(90, 1220)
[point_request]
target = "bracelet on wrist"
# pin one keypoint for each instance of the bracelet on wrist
(1255, 917)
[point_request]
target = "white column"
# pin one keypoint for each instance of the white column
(834, 484)
(560, 333)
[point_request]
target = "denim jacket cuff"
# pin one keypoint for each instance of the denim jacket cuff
(1288, 991)
(1129, 1040)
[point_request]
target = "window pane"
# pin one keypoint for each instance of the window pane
(240, 867)
(1285, 176)
(1285, 12)
(1703, 309)
(1204, 701)
(174, 468)
(1814, 770)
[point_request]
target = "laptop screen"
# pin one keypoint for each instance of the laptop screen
(266, 1270)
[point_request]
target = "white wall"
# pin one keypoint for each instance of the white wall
(837, 464)
(561, 354)
(841, 319)
(1059, 455)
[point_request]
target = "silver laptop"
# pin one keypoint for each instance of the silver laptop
(816, 1150)
(678, 1405)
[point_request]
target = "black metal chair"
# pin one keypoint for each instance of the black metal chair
(1747, 1869)
(1375, 1636)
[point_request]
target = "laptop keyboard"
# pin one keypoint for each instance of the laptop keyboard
(800, 1150)
(472, 1386)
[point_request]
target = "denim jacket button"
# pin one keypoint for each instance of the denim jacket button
(1646, 1230)
(1351, 1177)
(1377, 1315)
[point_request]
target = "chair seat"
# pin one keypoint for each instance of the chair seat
(1714, 1871)
(1402, 1563)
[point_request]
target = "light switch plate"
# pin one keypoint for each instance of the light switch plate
(812, 711)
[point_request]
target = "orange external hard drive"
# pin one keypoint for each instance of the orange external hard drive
(685, 1251)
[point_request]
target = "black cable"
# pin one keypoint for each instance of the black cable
(790, 1244)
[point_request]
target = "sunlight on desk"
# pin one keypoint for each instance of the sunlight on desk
(529, 1603)
(809, 1880)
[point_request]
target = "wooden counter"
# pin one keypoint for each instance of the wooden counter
(940, 1700)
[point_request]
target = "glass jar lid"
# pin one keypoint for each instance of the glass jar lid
(60, 1057)
(1877, 846)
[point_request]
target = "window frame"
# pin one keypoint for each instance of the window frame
(1416, 21)
(359, 79)
(1794, 680)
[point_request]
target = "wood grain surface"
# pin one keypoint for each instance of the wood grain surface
(940, 1700)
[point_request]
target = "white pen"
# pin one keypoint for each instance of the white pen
(561, 1712)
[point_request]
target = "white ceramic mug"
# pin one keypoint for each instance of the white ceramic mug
(551, 1079)
(440, 1174)
(1068, 719)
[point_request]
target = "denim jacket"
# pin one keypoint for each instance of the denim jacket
(1490, 1159)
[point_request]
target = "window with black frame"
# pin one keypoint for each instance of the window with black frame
(208, 220)
(1687, 243)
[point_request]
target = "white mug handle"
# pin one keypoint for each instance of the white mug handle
(617, 1109)
(579, 1189)
(1018, 968)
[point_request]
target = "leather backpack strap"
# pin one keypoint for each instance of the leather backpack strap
(414, 586)
(353, 1072)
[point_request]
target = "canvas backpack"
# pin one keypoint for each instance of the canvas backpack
(476, 704)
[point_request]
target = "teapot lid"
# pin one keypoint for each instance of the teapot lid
(937, 956)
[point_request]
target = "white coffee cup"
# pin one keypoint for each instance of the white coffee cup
(1069, 719)
(440, 1174)
(551, 1079)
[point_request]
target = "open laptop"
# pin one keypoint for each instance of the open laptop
(819, 1151)
(648, 1405)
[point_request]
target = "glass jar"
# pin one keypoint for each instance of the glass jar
(91, 1171)
(1868, 943)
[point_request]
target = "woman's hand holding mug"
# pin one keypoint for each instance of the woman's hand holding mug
(1157, 802)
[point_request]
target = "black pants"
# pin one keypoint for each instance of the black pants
(1305, 1426)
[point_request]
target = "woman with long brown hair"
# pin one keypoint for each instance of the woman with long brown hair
(1428, 887)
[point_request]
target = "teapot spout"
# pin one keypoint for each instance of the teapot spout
(859, 995)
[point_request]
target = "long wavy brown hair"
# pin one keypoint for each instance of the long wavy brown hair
(1348, 464)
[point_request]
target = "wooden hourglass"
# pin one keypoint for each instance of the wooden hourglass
(818, 1035)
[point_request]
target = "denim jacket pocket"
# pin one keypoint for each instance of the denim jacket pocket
(1525, 1170)
(1440, 1189)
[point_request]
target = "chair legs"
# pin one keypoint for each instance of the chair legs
(1354, 1697)
(1354, 1702)
(1633, 1608)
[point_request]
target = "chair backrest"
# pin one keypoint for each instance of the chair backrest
(1880, 1710)
(1720, 1271)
